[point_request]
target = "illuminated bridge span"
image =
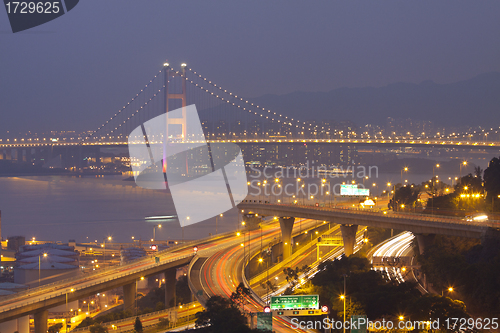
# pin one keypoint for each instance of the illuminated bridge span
(227, 117)
(349, 219)
(440, 143)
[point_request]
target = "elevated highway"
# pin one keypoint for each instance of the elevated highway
(422, 225)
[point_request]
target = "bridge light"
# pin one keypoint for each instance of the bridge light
(450, 289)
(166, 64)
(238, 234)
(261, 260)
(401, 318)
(342, 297)
(142, 278)
(183, 64)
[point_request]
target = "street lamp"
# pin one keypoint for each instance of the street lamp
(39, 262)
(104, 249)
(71, 290)
(433, 171)
(154, 231)
(464, 163)
(342, 297)
(221, 215)
(405, 169)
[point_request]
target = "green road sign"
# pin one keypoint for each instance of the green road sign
(265, 321)
(295, 302)
(360, 322)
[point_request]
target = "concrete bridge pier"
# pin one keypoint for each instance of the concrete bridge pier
(129, 295)
(286, 225)
(349, 236)
(41, 319)
(170, 282)
(424, 241)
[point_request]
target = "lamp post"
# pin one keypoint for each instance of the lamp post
(221, 215)
(405, 169)
(71, 290)
(39, 264)
(464, 163)
(104, 250)
(342, 297)
(154, 231)
(433, 171)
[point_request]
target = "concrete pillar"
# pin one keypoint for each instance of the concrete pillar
(349, 237)
(424, 240)
(276, 252)
(41, 321)
(129, 295)
(286, 225)
(170, 281)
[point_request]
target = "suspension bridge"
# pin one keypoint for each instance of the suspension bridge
(225, 117)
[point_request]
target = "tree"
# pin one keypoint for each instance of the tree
(98, 328)
(221, 315)
(478, 172)
(182, 291)
(405, 195)
(86, 322)
(492, 179)
(240, 295)
(435, 306)
(55, 328)
(162, 323)
(138, 325)
(159, 306)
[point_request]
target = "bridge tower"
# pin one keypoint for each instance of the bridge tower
(169, 73)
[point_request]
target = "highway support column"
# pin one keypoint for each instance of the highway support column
(41, 319)
(424, 241)
(170, 282)
(286, 225)
(129, 295)
(349, 237)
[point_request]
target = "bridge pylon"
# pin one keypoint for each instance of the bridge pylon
(169, 73)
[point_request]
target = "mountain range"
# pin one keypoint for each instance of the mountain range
(472, 102)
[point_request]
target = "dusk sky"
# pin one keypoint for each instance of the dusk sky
(78, 70)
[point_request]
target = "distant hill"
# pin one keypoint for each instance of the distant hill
(471, 102)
